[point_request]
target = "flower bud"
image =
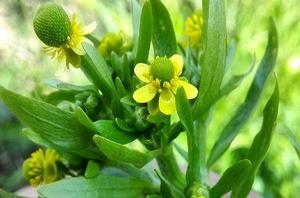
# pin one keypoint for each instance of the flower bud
(52, 25)
(116, 42)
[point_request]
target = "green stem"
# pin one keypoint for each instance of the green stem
(197, 171)
(202, 128)
(169, 168)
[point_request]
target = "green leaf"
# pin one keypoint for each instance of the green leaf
(94, 67)
(214, 46)
(184, 111)
(165, 187)
(38, 139)
(244, 110)
(53, 124)
(110, 130)
(128, 100)
(235, 81)
(118, 152)
(136, 14)
(124, 126)
(57, 84)
(120, 87)
(85, 120)
(231, 178)
(58, 96)
(92, 169)
(145, 34)
(183, 153)
(293, 140)
(102, 186)
(163, 35)
(4, 194)
(260, 144)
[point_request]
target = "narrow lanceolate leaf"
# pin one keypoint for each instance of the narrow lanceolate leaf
(102, 186)
(231, 178)
(136, 14)
(166, 189)
(185, 114)
(293, 139)
(59, 127)
(214, 46)
(94, 67)
(260, 145)
(184, 111)
(244, 110)
(119, 152)
(145, 34)
(57, 84)
(235, 81)
(163, 35)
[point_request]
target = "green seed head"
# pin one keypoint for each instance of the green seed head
(162, 68)
(52, 25)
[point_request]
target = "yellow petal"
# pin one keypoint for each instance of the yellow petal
(177, 61)
(142, 71)
(78, 49)
(166, 102)
(145, 93)
(89, 28)
(190, 90)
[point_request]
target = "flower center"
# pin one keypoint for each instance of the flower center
(162, 69)
(52, 25)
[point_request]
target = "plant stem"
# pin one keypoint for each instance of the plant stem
(169, 168)
(197, 170)
(202, 128)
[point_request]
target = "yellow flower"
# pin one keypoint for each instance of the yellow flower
(193, 28)
(72, 49)
(41, 168)
(162, 78)
(63, 38)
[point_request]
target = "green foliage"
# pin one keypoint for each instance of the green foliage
(4, 194)
(92, 169)
(107, 140)
(118, 152)
(110, 130)
(260, 144)
(244, 111)
(163, 36)
(292, 138)
(214, 47)
(145, 33)
(53, 124)
(231, 178)
(100, 186)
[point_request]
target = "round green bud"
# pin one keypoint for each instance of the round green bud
(52, 25)
(162, 68)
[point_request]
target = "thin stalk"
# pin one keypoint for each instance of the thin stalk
(197, 171)
(169, 168)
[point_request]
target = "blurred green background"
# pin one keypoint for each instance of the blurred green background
(26, 69)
